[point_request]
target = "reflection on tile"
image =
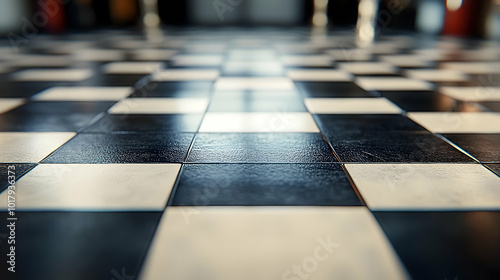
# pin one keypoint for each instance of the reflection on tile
(472, 93)
(119, 242)
(351, 106)
(368, 68)
(316, 75)
(455, 122)
(124, 148)
(257, 101)
(331, 89)
(307, 60)
(226, 83)
(7, 104)
(426, 186)
(83, 94)
(146, 123)
(439, 75)
(186, 89)
(52, 75)
(186, 75)
(125, 187)
(254, 147)
(339, 123)
(393, 146)
(258, 122)
(29, 122)
(30, 146)
(445, 245)
(338, 242)
(264, 184)
(132, 67)
(257, 68)
(484, 147)
(392, 84)
(197, 60)
(160, 106)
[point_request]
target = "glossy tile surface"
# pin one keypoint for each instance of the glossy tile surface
(123, 148)
(426, 187)
(357, 248)
(483, 147)
(454, 122)
(160, 106)
(146, 123)
(30, 146)
(83, 94)
(351, 106)
(260, 148)
(93, 187)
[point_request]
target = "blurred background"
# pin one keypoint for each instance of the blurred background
(477, 18)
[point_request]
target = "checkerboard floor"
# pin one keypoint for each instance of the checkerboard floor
(251, 154)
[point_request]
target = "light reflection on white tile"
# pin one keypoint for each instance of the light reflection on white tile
(473, 67)
(132, 67)
(94, 187)
(437, 75)
(255, 67)
(7, 104)
(392, 84)
(153, 54)
(254, 84)
(98, 55)
(52, 75)
(307, 60)
(319, 75)
(351, 106)
(472, 93)
(458, 122)
(197, 60)
(30, 146)
(267, 242)
(258, 122)
(426, 186)
(186, 75)
(407, 60)
(367, 68)
(83, 94)
(160, 106)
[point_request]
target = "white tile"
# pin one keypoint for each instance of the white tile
(197, 60)
(132, 67)
(472, 93)
(267, 242)
(368, 68)
(52, 75)
(392, 84)
(426, 186)
(83, 94)
(258, 122)
(257, 67)
(407, 60)
(437, 75)
(160, 106)
(254, 84)
(307, 60)
(473, 67)
(34, 60)
(351, 106)
(95, 187)
(350, 54)
(30, 146)
(458, 122)
(99, 55)
(186, 75)
(319, 75)
(251, 55)
(7, 104)
(153, 54)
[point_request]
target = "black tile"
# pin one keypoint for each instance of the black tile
(264, 184)
(484, 147)
(44, 122)
(174, 89)
(394, 146)
(260, 147)
(147, 122)
(62, 107)
(17, 171)
(331, 89)
(492, 105)
(123, 148)
(71, 245)
(332, 124)
(445, 245)
(24, 89)
(424, 101)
